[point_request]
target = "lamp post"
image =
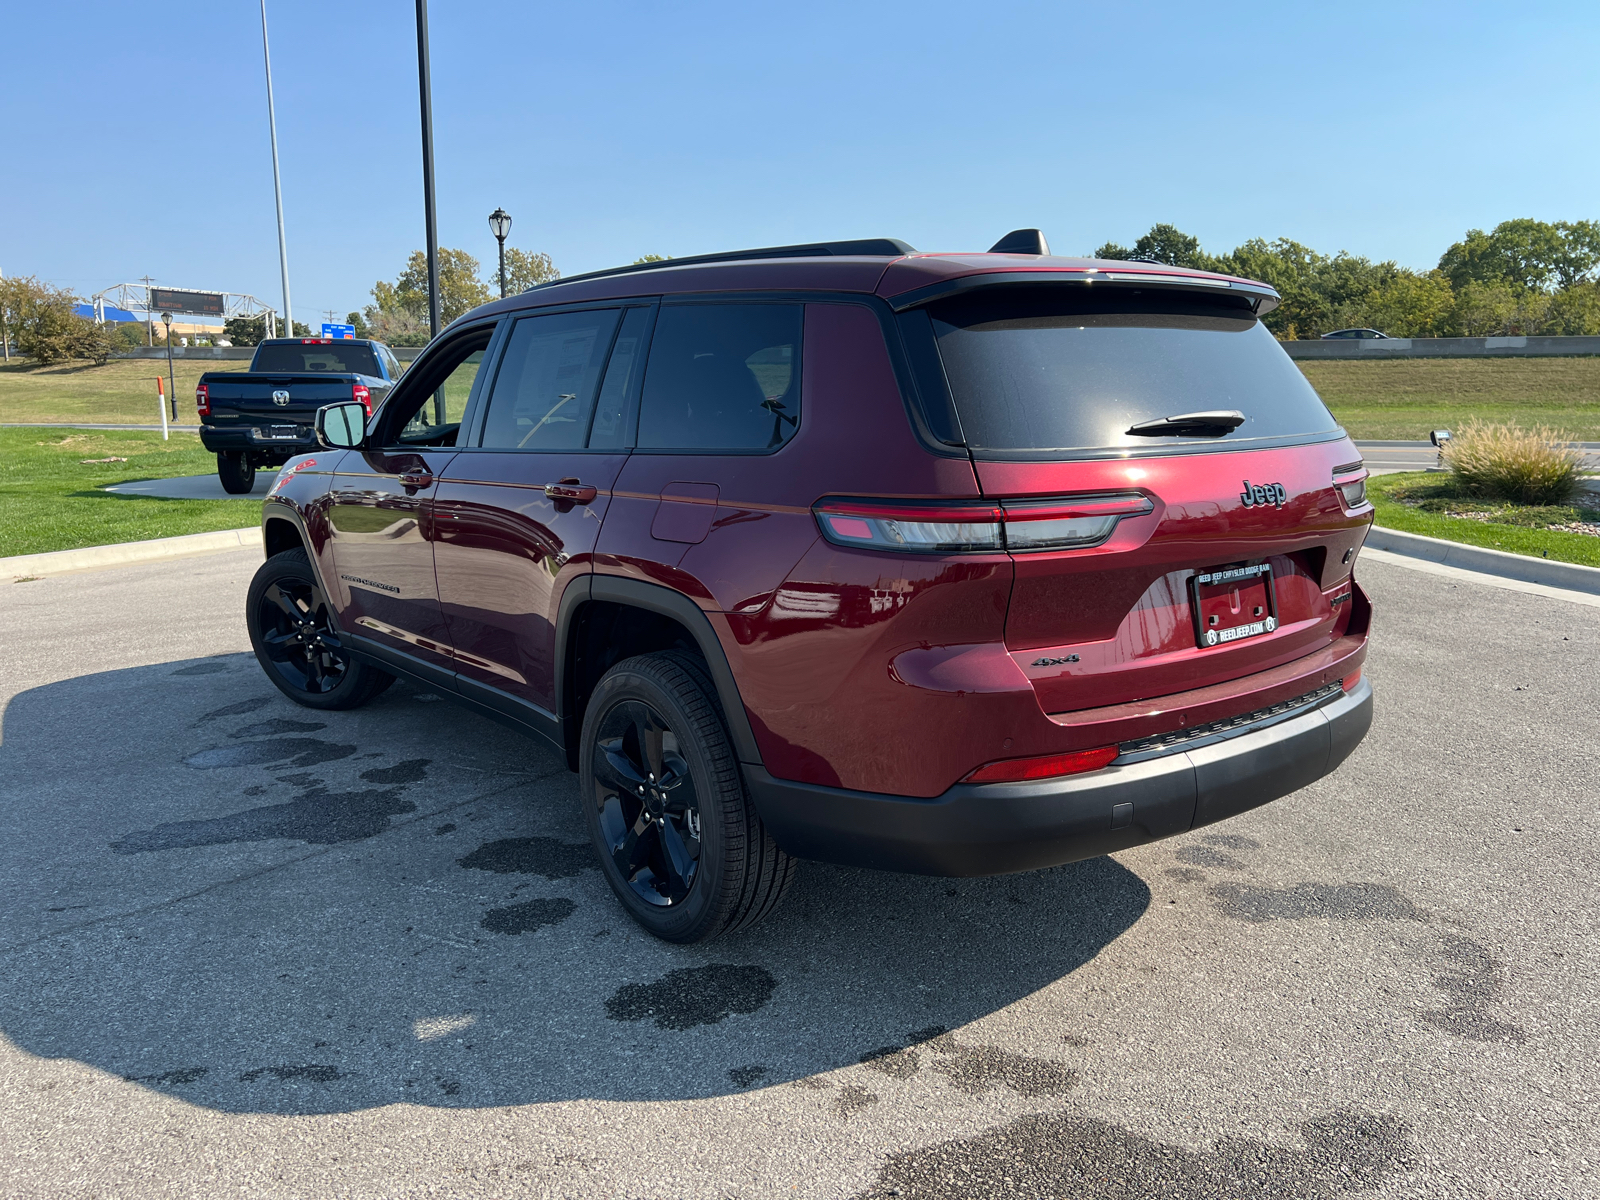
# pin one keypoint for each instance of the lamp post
(500, 226)
(172, 384)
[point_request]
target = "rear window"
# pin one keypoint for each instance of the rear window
(330, 358)
(722, 377)
(1054, 369)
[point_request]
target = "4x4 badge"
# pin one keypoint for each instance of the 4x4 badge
(1263, 493)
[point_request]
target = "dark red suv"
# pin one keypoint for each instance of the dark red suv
(949, 563)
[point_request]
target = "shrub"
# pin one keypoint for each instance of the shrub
(1524, 466)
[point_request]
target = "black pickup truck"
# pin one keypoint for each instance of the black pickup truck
(263, 417)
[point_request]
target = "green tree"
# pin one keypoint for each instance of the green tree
(1410, 305)
(650, 258)
(360, 325)
(1575, 311)
(44, 325)
(460, 289)
(1528, 254)
(525, 269)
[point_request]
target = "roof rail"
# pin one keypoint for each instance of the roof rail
(863, 247)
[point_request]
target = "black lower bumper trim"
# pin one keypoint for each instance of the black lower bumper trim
(995, 828)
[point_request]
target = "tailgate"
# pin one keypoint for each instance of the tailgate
(1117, 622)
(289, 397)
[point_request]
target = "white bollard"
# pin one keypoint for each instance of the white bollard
(161, 403)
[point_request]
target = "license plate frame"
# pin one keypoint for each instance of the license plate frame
(281, 433)
(1216, 621)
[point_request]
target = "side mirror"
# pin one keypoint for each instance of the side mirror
(342, 426)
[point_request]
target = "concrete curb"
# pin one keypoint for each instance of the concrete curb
(90, 558)
(1570, 576)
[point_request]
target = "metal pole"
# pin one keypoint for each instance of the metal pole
(171, 380)
(502, 242)
(277, 184)
(427, 168)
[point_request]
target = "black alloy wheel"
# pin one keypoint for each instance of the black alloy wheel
(646, 804)
(297, 642)
(678, 839)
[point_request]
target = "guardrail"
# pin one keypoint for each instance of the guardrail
(1494, 347)
(404, 353)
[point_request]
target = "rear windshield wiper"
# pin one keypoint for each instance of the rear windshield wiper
(1196, 424)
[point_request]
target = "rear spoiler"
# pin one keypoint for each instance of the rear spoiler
(1262, 298)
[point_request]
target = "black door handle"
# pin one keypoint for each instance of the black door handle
(571, 491)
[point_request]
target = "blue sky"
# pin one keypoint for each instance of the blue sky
(135, 138)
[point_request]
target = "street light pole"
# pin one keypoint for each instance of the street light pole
(426, 89)
(172, 383)
(277, 184)
(500, 226)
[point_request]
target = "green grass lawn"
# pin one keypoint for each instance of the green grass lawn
(123, 392)
(50, 498)
(1403, 398)
(1438, 489)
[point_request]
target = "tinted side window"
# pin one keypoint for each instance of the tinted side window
(545, 390)
(722, 377)
(622, 373)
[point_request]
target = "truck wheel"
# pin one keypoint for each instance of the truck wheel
(678, 839)
(237, 472)
(292, 632)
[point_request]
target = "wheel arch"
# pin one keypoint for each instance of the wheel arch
(605, 618)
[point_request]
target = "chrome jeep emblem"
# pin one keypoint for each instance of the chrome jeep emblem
(281, 399)
(1263, 493)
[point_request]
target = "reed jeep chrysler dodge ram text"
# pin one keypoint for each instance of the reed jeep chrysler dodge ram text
(950, 563)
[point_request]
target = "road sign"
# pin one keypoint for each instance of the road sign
(209, 304)
(347, 332)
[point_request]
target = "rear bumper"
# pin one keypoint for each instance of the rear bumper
(992, 829)
(253, 438)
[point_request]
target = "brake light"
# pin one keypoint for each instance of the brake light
(1048, 766)
(1352, 484)
(202, 399)
(316, 341)
(1020, 526)
(362, 395)
(1348, 683)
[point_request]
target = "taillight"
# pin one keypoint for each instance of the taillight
(202, 399)
(362, 395)
(1020, 526)
(1047, 766)
(1352, 484)
(1348, 683)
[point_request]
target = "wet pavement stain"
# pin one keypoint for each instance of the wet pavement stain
(1472, 981)
(1088, 1159)
(172, 1078)
(276, 726)
(1337, 902)
(204, 668)
(744, 1077)
(979, 1069)
(852, 1098)
(296, 752)
(450, 1087)
(447, 827)
(1206, 856)
(312, 1072)
(532, 856)
(897, 1062)
(1185, 874)
(317, 816)
(235, 710)
(412, 770)
(693, 996)
(525, 918)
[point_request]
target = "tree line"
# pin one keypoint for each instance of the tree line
(1522, 277)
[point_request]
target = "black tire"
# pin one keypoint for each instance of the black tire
(653, 751)
(237, 472)
(295, 640)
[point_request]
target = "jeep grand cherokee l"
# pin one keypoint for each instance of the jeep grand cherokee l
(946, 563)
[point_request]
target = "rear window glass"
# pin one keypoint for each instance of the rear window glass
(1041, 370)
(722, 377)
(544, 393)
(335, 358)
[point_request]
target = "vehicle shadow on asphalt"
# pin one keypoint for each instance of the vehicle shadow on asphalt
(254, 907)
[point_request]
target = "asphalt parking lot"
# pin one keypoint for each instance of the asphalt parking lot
(250, 950)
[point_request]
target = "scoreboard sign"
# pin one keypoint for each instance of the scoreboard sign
(208, 304)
